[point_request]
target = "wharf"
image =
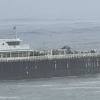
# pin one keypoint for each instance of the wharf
(51, 57)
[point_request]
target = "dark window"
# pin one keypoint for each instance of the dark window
(3, 44)
(13, 43)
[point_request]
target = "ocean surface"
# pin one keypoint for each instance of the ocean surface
(79, 34)
(65, 88)
(47, 34)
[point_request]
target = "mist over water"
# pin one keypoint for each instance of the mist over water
(46, 34)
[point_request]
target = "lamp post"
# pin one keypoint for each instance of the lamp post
(14, 29)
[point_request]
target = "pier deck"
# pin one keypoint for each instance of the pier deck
(51, 57)
(49, 66)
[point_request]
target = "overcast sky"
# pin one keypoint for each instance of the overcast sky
(49, 9)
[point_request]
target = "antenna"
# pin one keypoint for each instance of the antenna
(14, 29)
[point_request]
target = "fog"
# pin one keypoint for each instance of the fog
(49, 9)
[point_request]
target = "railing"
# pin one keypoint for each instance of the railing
(50, 57)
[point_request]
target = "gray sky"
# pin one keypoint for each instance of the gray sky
(49, 9)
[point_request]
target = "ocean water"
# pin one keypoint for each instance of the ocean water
(47, 34)
(79, 34)
(62, 88)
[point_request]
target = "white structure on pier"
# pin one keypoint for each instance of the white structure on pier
(13, 48)
(12, 45)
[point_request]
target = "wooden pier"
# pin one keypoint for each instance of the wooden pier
(51, 57)
(49, 66)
